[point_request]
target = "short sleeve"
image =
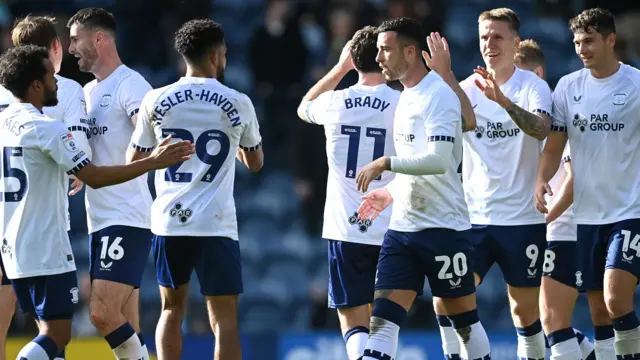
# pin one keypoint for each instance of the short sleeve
(132, 91)
(315, 109)
(540, 97)
(559, 113)
(57, 142)
(76, 118)
(251, 138)
(443, 116)
(144, 138)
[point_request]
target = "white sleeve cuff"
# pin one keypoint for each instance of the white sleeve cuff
(433, 162)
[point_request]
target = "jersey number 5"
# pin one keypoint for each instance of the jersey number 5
(11, 172)
(215, 161)
(379, 136)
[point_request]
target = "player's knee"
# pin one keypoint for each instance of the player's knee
(617, 305)
(525, 310)
(101, 316)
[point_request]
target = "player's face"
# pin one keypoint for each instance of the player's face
(50, 85)
(391, 56)
(83, 46)
(498, 44)
(592, 47)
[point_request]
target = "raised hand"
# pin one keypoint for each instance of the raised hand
(489, 87)
(374, 203)
(167, 154)
(345, 63)
(438, 57)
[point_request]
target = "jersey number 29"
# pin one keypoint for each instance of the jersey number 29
(379, 136)
(9, 171)
(215, 161)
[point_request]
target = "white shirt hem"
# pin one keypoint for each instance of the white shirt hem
(418, 229)
(605, 221)
(136, 224)
(562, 238)
(353, 240)
(485, 221)
(41, 273)
(191, 233)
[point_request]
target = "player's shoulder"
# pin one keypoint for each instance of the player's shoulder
(67, 86)
(530, 80)
(631, 73)
(128, 78)
(438, 89)
(241, 99)
(6, 97)
(469, 83)
(572, 78)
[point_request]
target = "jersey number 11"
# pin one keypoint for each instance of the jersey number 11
(379, 136)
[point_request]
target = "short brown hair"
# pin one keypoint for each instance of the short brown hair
(34, 30)
(600, 20)
(364, 49)
(502, 14)
(531, 54)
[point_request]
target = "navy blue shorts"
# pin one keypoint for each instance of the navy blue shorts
(352, 273)
(216, 261)
(52, 297)
(610, 246)
(518, 251)
(445, 256)
(5, 280)
(560, 262)
(119, 254)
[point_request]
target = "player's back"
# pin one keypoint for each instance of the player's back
(427, 112)
(358, 124)
(601, 116)
(195, 198)
(500, 160)
(110, 105)
(6, 98)
(33, 193)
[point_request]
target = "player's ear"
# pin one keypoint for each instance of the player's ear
(611, 39)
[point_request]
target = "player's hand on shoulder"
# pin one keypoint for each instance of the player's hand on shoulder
(371, 171)
(167, 154)
(374, 203)
(345, 63)
(488, 86)
(542, 189)
(438, 57)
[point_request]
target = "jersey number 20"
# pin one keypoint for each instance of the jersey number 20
(216, 161)
(379, 136)
(11, 172)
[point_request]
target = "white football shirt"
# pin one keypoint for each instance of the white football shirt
(37, 151)
(6, 98)
(428, 111)
(358, 125)
(564, 227)
(71, 111)
(500, 161)
(110, 105)
(601, 117)
(195, 198)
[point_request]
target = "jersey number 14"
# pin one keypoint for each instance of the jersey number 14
(379, 136)
(215, 161)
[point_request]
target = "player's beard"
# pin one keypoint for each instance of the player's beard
(220, 74)
(50, 98)
(87, 59)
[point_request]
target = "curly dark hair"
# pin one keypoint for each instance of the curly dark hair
(600, 20)
(364, 50)
(22, 65)
(94, 18)
(409, 32)
(197, 37)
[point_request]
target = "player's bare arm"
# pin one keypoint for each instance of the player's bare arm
(253, 159)
(329, 81)
(163, 156)
(536, 125)
(438, 59)
(564, 196)
(548, 166)
(134, 119)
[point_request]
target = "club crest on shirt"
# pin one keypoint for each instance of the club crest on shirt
(105, 101)
(69, 142)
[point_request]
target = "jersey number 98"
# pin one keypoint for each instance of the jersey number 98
(215, 161)
(8, 171)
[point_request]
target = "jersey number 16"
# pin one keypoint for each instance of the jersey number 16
(379, 136)
(215, 161)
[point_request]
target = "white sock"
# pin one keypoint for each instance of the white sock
(474, 343)
(604, 349)
(627, 344)
(531, 342)
(145, 352)
(129, 350)
(564, 345)
(355, 341)
(450, 342)
(33, 351)
(383, 339)
(586, 347)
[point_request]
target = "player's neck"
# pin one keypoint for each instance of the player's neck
(607, 69)
(414, 76)
(198, 73)
(502, 75)
(37, 104)
(371, 79)
(109, 63)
